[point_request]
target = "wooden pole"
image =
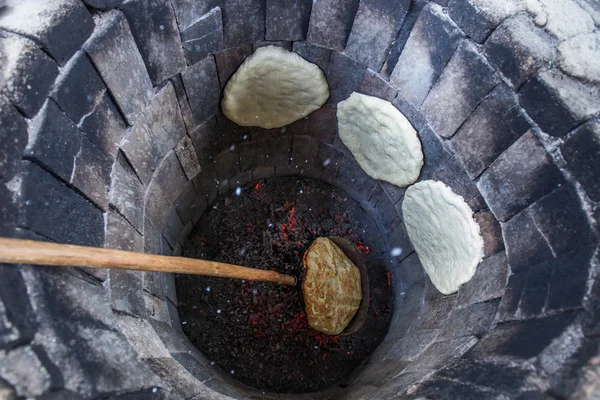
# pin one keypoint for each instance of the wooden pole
(20, 251)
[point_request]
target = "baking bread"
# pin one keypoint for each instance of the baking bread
(331, 287)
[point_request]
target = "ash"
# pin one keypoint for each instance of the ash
(260, 330)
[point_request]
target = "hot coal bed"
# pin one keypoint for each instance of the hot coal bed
(258, 331)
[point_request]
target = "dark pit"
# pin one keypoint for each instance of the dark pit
(258, 331)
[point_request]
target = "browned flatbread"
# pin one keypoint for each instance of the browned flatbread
(331, 287)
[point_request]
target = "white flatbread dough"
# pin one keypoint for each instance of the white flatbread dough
(274, 88)
(381, 139)
(444, 234)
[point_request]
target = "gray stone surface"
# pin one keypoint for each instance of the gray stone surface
(525, 244)
(114, 52)
(472, 320)
(435, 313)
(314, 54)
(126, 293)
(13, 140)
(409, 271)
(322, 124)
(580, 151)
(190, 11)
(354, 180)
(453, 174)
(491, 232)
(535, 291)
(173, 227)
(375, 27)
(331, 23)
(494, 125)
(227, 164)
(412, 345)
(374, 85)
(344, 76)
(206, 184)
(441, 353)
(568, 284)
(207, 141)
(252, 155)
(92, 174)
(433, 40)
(398, 45)
(73, 219)
(202, 88)
(517, 49)
(512, 295)
(17, 319)
(329, 159)
(207, 23)
(184, 105)
(579, 56)
(229, 60)
(154, 28)
(170, 177)
(204, 36)
(61, 27)
(488, 282)
(280, 43)
(103, 4)
(562, 221)
(411, 113)
(156, 207)
(23, 368)
(127, 193)
(187, 157)
(520, 176)
(287, 19)
(477, 19)
(121, 235)
(466, 80)
(157, 133)
(557, 102)
(28, 74)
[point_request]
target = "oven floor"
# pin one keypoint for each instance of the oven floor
(256, 331)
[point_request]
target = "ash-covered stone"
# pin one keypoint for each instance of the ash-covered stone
(331, 22)
(287, 20)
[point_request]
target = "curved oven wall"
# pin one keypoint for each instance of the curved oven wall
(111, 135)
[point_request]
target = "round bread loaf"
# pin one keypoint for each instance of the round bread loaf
(331, 287)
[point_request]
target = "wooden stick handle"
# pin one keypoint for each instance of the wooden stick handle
(20, 251)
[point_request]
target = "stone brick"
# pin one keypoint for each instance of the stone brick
(580, 151)
(304, 152)
(568, 283)
(409, 21)
(386, 211)
(204, 36)
(475, 19)
(412, 345)
(322, 124)
(92, 173)
(287, 20)
(278, 151)
(331, 23)
(61, 27)
(557, 102)
(170, 177)
(375, 27)
(354, 180)
(314, 54)
(208, 141)
(17, 319)
(184, 105)
(453, 175)
(374, 85)
(8, 211)
(439, 388)
(520, 176)
(227, 164)
(491, 233)
(54, 141)
(154, 28)
(240, 179)
(493, 127)
(113, 51)
(435, 312)
(394, 192)
(126, 294)
(187, 157)
(442, 353)
(104, 126)
(472, 320)
(466, 80)
(330, 159)
(410, 271)
(189, 205)
(259, 173)
(398, 239)
(488, 282)
(156, 134)
(562, 221)
(250, 28)
(152, 238)
(477, 203)
(13, 140)
(525, 245)
(190, 11)
(206, 184)
(512, 296)
(411, 113)
(25, 370)
(535, 291)
(121, 235)
(433, 40)
(229, 60)
(127, 193)
(252, 155)
(28, 74)
(279, 43)
(103, 4)
(201, 86)
(173, 227)
(502, 378)
(78, 88)
(521, 339)
(53, 210)
(344, 76)
(517, 49)
(156, 206)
